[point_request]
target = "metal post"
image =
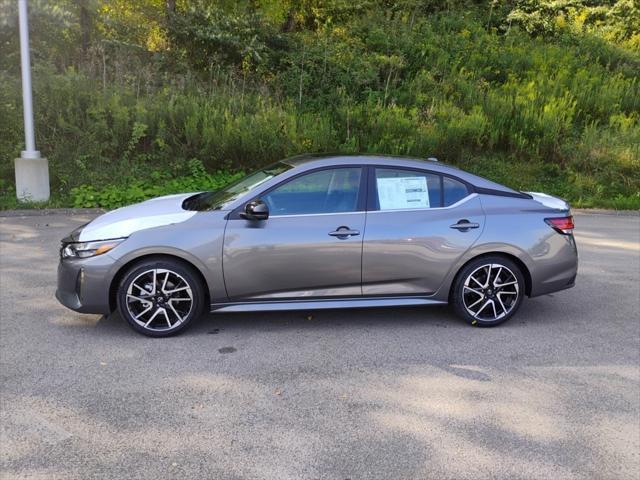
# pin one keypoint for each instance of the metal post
(32, 171)
(27, 100)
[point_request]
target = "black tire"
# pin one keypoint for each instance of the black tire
(500, 297)
(169, 306)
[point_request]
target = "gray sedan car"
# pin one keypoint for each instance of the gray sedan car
(323, 232)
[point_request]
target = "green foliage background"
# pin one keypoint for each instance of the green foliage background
(138, 99)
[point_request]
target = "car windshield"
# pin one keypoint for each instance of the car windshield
(219, 199)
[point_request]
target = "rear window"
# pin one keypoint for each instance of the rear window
(453, 191)
(402, 189)
(399, 189)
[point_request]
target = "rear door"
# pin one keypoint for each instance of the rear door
(309, 247)
(418, 225)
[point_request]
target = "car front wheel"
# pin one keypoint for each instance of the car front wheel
(488, 291)
(159, 298)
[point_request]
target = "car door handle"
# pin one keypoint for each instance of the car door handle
(464, 225)
(344, 232)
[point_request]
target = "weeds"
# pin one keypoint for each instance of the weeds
(556, 113)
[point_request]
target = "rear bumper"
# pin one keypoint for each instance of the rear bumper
(559, 267)
(555, 286)
(83, 284)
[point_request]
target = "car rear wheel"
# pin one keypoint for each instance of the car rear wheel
(488, 291)
(159, 298)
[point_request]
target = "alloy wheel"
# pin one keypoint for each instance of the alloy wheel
(159, 299)
(490, 292)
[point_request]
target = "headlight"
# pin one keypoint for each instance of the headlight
(89, 249)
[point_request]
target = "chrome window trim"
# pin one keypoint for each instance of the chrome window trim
(315, 214)
(454, 205)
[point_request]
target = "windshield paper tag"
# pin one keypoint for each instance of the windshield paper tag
(403, 192)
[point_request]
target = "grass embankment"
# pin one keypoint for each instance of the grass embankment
(558, 114)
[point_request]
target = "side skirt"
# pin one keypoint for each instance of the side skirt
(323, 304)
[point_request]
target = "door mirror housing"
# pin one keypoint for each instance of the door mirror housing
(255, 210)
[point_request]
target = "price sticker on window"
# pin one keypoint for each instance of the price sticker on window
(402, 192)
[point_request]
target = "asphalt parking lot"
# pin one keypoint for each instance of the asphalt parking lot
(389, 394)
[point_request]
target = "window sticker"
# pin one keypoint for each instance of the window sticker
(403, 192)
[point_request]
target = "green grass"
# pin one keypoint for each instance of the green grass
(557, 113)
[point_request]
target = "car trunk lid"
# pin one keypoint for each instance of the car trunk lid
(550, 201)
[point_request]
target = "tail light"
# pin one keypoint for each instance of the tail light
(563, 225)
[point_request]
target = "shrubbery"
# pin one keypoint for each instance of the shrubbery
(157, 183)
(553, 110)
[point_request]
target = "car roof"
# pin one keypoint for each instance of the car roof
(312, 161)
(354, 158)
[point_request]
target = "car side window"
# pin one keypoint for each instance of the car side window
(324, 191)
(453, 191)
(399, 189)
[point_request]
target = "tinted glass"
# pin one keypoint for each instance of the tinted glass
(219, 199)
(454, 191)
(399, 189)
(324, 191)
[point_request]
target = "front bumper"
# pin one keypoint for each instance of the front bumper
(83, 284)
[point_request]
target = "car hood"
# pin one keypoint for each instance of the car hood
(124, 221)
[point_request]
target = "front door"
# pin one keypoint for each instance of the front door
(309, 247)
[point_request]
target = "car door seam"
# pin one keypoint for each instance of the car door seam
(367, 169)
(462, 258)
(224, 241)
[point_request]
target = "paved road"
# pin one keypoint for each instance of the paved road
(389, 394)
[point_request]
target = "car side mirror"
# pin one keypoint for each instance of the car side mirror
(255, 210)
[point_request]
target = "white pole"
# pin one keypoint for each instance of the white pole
(32, 171)
(27, 101)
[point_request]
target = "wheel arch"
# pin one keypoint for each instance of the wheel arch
(521, 265)
(115, 281)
